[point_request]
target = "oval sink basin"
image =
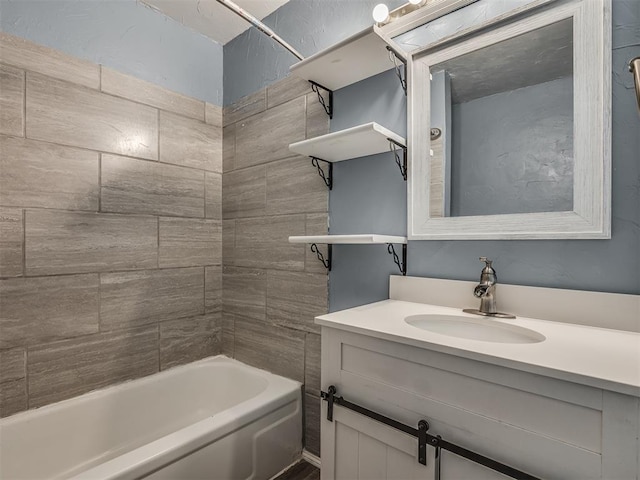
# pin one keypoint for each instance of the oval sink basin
(482, 329)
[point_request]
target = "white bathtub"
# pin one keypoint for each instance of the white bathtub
(213, 419)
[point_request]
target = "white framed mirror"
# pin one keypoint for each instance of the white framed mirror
(509, 129)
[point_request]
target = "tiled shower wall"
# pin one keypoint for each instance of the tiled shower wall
(110, 227)
(272, 290)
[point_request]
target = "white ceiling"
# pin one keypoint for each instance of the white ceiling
(213, 19)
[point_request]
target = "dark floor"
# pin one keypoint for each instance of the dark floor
(300, 471)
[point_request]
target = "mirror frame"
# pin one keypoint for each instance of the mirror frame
(591, 215)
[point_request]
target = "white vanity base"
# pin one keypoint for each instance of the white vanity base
(543, 426)
(572, 415)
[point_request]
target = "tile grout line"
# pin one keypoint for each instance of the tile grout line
(24, 106)
(103, 272)
(158, 346)
(24, 242)
(99, 302)
(26, 376)
(123, 213)
(100, 182)
(158, 130)
(158, 243)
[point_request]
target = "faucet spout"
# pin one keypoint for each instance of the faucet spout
(480, 290)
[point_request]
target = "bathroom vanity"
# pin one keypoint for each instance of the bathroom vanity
(553, 399)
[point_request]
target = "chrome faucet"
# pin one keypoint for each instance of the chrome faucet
(486, 292)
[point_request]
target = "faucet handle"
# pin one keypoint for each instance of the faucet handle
(486, 261)
(488, 274)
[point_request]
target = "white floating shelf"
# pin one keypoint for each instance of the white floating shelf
(360, 141)
(367, 238)
(360, 56)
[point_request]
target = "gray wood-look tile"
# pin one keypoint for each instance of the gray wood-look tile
(213, 289)
(245, 107)
(191, 143)
(13, 364)
(186, 242)
(316, 118)
(278, 350)
(11, 238)
(24, 54)
(294, 299)
(213, 189)
(264, 242)
(11, 101)
(189, 339)
(312, 424)
(38, 174)
(244, 292)
(69, 368)
(37, 310)
(213, 114)
(13, 381)
(13, 397)
(286, 89)
(132, 299)
(60, 242)
(245, 192)
(317, 224)
(92, 119)
(228, 147)
(127, 86)
(294, 186)
(228, 241)
(139, 186)
(266, 136)
(312, 359)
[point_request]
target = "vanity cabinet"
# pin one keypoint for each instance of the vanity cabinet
(550, 428)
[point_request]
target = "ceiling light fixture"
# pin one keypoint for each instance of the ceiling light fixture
(383, 16)
(381, 13)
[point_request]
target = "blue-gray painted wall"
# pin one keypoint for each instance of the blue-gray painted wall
(369, 194)
(253, 61)
(124, 35)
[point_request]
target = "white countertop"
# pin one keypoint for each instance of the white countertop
(598, 357)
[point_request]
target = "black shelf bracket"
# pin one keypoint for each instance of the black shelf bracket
(424, 438)
(325, 261)
(402, 164)
(401, 265)
(327, 176)
(326, 104)
(400, 65)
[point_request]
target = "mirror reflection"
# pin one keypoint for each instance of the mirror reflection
(502, 127)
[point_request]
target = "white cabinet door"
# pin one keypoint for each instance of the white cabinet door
(355, 447)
